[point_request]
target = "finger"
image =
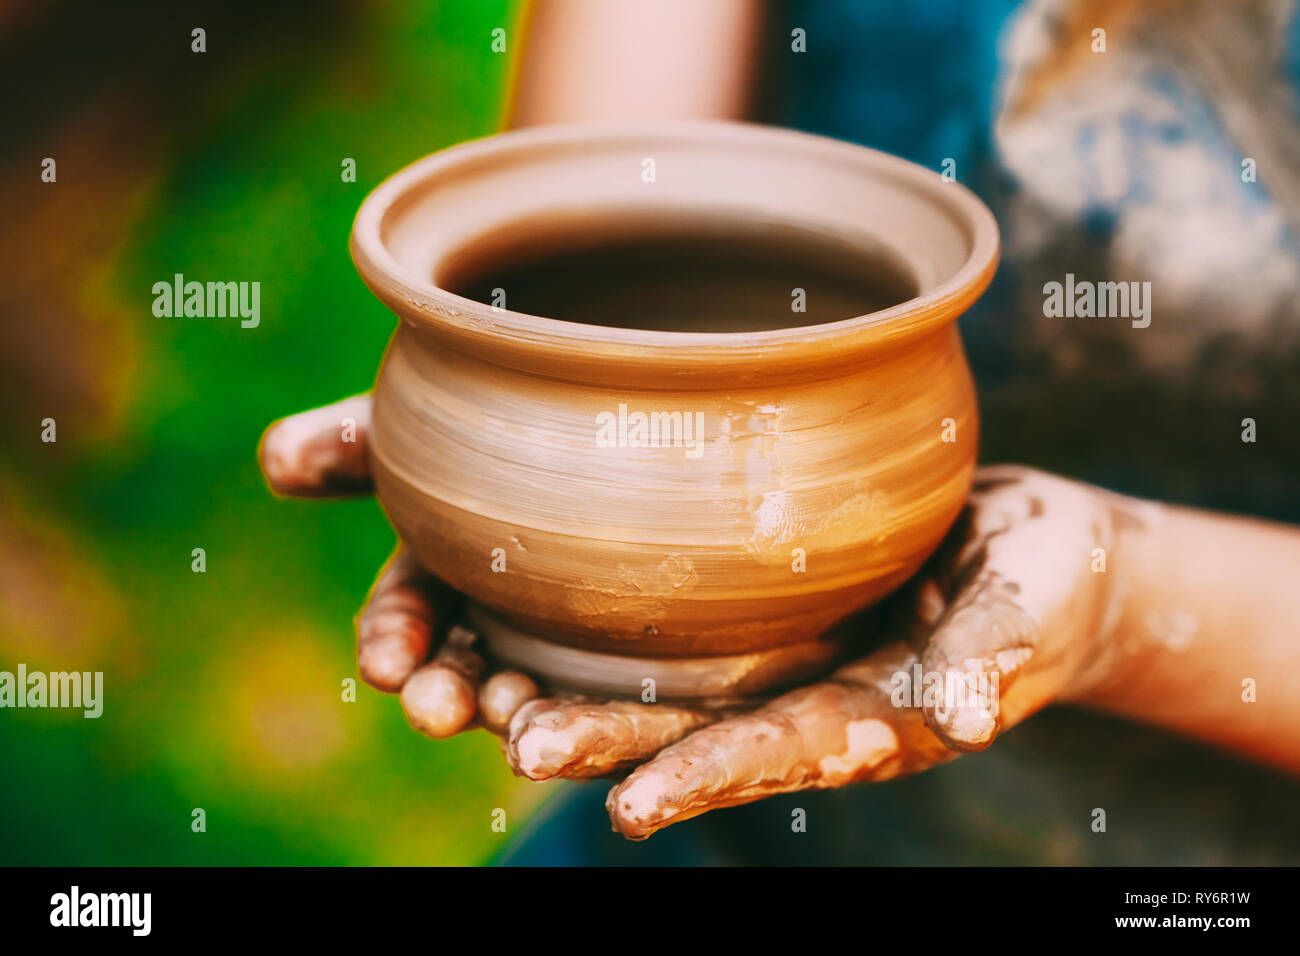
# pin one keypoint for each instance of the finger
(440, 699)
(396, 627)
(319, 453)
(840, 731)
(558, 738)
(1025, 576)
(501, 696)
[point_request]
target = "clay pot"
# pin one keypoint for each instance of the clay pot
(833, 459)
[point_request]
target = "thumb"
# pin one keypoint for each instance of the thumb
(319, 453)
(980, 645)
(1017, 628)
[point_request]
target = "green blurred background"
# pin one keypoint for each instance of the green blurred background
(223, 690)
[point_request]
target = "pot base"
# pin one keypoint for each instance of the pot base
(725, 676)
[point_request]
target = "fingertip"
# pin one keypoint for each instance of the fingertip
(439, 701)
(636, 807)
(501, 696)
(540, 751)
(394, 635)
(274, 454)
(967, 729)
(385, 663)
(527, 739)
(319, 453)
(972, 658)
(961, 706)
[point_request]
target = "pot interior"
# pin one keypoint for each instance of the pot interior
(688, 271)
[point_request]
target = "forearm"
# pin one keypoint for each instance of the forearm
(1205, 620)
(588, 60)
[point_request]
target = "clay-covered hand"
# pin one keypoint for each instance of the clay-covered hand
(406, 643)
(1011, 613)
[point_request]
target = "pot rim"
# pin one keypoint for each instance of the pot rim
(573, 349)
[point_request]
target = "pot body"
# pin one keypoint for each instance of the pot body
(805, 473)
(790, 508)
